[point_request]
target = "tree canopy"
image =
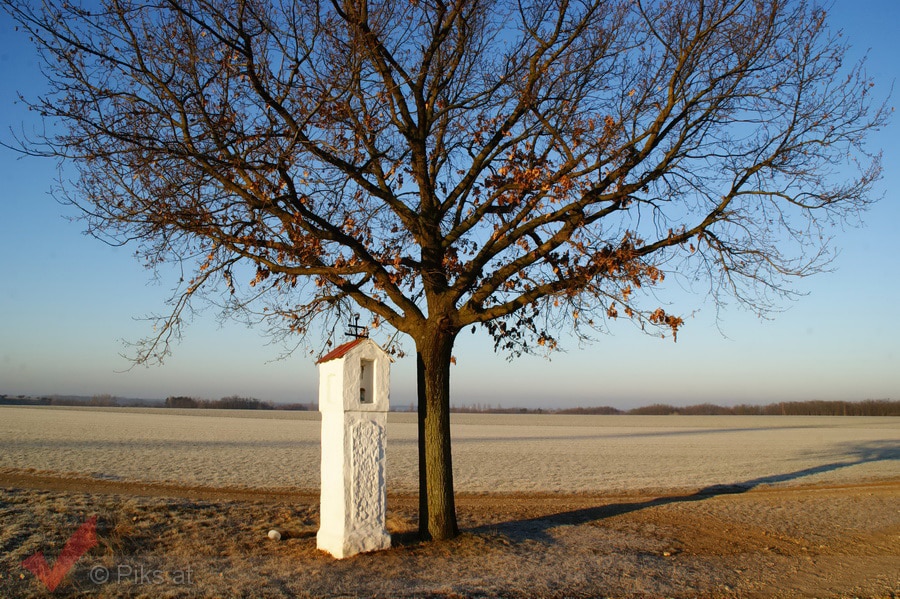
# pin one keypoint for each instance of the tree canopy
(520, 166)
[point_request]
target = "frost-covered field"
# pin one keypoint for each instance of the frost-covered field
(492, 453)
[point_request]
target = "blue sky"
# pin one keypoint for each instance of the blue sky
(67, 303)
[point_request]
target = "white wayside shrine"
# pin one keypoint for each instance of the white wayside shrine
(354, 380)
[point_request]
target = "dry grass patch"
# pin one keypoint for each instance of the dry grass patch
(513, 546)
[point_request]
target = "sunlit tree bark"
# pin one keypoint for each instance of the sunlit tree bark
(520, 166)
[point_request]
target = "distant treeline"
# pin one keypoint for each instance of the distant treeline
(232, 402)
(72, 400)
(871, 407)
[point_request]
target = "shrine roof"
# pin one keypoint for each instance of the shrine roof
(340, 351)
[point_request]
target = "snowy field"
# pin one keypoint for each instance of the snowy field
(492, 453)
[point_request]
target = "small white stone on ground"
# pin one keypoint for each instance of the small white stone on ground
(274, 535)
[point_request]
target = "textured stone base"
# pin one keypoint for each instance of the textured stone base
(341, 548)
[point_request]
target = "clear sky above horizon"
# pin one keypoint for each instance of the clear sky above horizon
(68, 302)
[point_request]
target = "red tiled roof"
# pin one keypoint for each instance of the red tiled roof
(340, 351)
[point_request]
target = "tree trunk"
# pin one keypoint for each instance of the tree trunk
(437, 509)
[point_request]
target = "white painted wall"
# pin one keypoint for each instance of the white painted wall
(353, 501)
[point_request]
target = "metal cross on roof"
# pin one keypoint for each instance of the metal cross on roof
(354, 329)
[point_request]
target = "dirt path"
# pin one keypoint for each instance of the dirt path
(798, 541)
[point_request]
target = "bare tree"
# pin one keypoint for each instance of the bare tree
(520, 165)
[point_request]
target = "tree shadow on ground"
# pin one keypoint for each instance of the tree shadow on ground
(537, 529)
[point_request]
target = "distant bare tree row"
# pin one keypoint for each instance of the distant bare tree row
(825, 408)
(871, 407)
(104, 400)
(232, 402)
